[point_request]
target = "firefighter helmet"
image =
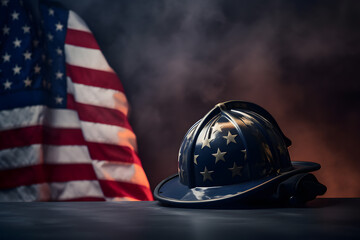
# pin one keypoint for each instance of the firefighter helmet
(236, 150)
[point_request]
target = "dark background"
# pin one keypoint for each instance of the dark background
(298, 59)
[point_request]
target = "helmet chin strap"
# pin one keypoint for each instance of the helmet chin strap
(299, 189)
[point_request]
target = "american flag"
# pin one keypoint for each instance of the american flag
(64, 132)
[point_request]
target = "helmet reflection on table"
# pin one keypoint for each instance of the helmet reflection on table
(235, 153)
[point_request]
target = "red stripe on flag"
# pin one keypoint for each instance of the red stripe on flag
(102, 151)
(91, 113)
(113, 189)
(81, 39)
(95, 78)
(39, 134)
(46, 173)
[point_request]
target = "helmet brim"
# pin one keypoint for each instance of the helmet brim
(171, 192)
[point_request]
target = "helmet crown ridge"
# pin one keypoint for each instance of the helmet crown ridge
(235, 142)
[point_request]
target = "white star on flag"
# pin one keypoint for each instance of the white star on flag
(59, 51)
(59, 26)
(50, 36)
(59, 75)
(16, 70)
(6, 30)
(59, 100)
(17, 43)
(6, 57)
(37, 68)
(27, 55)
(15, 15)
(26, 29)
(27, 82)
(7, 84)
(51, 12)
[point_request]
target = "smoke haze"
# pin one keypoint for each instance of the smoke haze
(297, 59)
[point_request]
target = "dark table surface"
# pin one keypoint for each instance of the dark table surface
(321, 219)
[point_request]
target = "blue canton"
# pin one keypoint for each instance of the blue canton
(32, 64)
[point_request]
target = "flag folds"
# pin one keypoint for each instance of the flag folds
(64, 132)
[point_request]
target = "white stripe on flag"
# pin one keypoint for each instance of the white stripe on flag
(52, 191)
(75, 189)
(20, 117)
(101, 97)
(103, 133)
(30, 193)
(123, 172)
(21, 157)
(36, 154)
(38, 115)
(75, 22)
(86, 57)
(66, 154)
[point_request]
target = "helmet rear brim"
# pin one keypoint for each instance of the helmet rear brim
(171, 192)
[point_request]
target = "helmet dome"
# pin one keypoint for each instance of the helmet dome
(235, 142)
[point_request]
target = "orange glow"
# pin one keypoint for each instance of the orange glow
(121, 103)
(127, 138)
